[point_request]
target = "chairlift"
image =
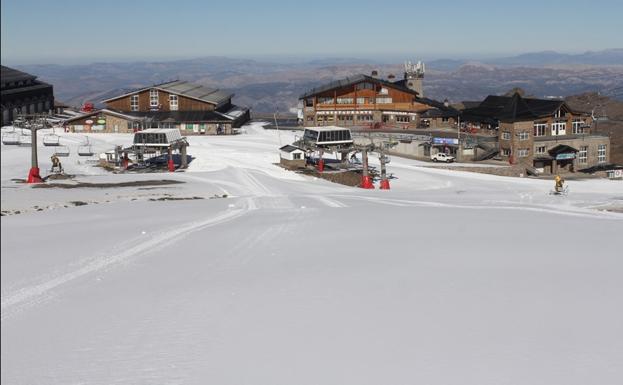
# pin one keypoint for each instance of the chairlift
(10, 138)
(25, 140)
(86, 149)
(51, 140)
(62, 151)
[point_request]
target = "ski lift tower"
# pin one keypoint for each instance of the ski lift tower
(33, 123)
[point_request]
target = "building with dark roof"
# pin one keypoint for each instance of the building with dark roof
(540, 133)
(371, 102)
(192, 108)
(22, 93)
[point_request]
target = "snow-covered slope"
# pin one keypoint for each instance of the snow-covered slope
(449, 278)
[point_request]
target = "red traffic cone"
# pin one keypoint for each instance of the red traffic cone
(384, 184)
(320, 165)
(366, 182)
(171, 165)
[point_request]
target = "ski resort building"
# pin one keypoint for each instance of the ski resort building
(543, 134)
(371, 102)
(189, 107)
(22, 93)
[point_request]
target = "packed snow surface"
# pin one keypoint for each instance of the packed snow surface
(450, 277)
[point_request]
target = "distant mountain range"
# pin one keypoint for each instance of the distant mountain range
(275, 87)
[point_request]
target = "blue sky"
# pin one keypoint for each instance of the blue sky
(69, 31)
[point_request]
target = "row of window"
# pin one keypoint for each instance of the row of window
(560, 128)
(582, 153)
(154, 101)
(331, 118)
(329, 100)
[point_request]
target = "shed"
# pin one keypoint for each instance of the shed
(291, 152)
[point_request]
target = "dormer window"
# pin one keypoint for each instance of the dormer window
(173, 106)
(134, 102)
(384, 91)
(153, 97)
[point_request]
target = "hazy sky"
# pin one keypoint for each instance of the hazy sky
(69, 31)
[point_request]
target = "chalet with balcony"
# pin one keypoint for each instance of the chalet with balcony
(363, 101)
(192, 108)
(543, 134)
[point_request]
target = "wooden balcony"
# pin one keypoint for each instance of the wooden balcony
(374, 107)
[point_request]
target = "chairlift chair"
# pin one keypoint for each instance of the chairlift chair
(51, 140)
(25, 140)
(10, 138)
(86, 149)
(62, 151)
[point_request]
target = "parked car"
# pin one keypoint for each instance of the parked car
(441, 157)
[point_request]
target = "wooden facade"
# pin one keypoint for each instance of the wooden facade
(164, 103)
(192, 108)
(368, 101)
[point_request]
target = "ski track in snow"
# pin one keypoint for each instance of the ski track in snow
(494, 205)
(14, 301)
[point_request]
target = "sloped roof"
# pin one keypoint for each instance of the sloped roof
(512, 108)
(12, 75)
(352, 80)
(186, 89)
(289, 148)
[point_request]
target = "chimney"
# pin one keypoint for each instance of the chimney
(413, 75)
(446, 103)
(391, 77)
(375, 74)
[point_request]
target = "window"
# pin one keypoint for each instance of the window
(522, 152)
(384, 91)
(362, 100)
(134, 103)
(189, 126)
(173, 102)
(309, 102)
(506, 152)
(523, 135)
(153, 97)
(541, 150)
(577, 126)
(445, 119)
(506, 135)
(583, 155)
(296, 156)
(559, 129)
(539, 129)
(384, 100)
(366, 118)
(344, 100)
(560, 113)
(601, 153)
(325, 100)
(310, 118)
(364, 86)
(345, 117)
(402, 118)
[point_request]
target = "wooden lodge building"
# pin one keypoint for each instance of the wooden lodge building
(370, 102)
(542, 134)
(192, 108)
(22, 93)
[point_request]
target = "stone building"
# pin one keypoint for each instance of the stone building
(543, 134)
(22, 93)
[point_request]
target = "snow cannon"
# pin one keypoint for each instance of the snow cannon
(366, 182)
(33, 175)
(320, 165)
(384, 184)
